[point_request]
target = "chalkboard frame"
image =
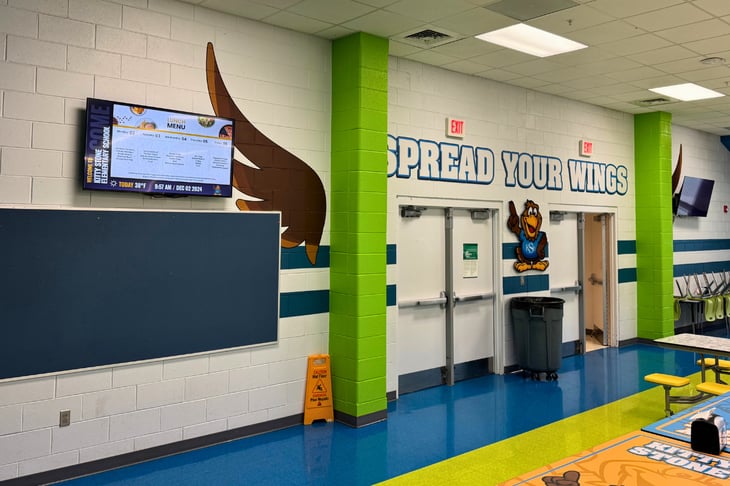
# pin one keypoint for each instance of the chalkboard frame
(92, 288)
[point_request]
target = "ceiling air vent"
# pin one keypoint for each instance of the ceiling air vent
(652, 102)
(428, 35)
(427, 38)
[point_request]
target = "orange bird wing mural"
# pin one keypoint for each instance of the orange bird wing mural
(283, 182)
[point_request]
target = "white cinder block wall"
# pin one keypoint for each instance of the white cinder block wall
(502, 117)
(704, 156)
(55, 54)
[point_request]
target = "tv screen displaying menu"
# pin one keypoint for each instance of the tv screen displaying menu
(138, 148)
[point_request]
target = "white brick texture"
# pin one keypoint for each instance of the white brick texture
(95, 12)
(36, 52)
(54, 54)
(65, 31)
(17, 77)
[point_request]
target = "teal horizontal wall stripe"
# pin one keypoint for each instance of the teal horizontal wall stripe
(296, 258)
(525, 283)
(293, 258)
(701, 245)
(626, 247)
(699, 268)
(626, 275)
(304, 303)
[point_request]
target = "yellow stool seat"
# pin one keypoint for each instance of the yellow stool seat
(710, 362)
(667, 380)
(713, 388)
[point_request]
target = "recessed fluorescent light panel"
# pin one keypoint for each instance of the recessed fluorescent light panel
(530, 40)
(687, 92)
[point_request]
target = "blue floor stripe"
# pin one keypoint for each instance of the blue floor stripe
(422, 427)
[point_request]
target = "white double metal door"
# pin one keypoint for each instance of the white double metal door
(445, 289)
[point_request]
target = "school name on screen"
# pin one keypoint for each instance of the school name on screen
(450, 162)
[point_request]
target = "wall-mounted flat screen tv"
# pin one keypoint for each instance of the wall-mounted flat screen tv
(694, 197)
(136, 148)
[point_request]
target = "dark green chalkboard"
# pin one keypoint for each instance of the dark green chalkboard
(89, 288)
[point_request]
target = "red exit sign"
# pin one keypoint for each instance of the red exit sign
(454, 128)
(586, 148)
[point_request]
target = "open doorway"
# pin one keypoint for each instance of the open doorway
(596, 300)
(584, 275)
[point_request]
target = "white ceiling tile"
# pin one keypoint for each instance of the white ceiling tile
(643, 72)
(708, 46)
(474, 22)
(429, 10)
(336, 12)
(464, 48)
(466, 67)
(681, 66)
(667, 18)
(649, 83)
(699, 75)
(715, 7)
(297, 22)
(382, 23)
(433, 58)
(502, 57)
(279, 4)
(498, 75)
(662, 55)
(401, 49)
(559, 75)
(528, 82)
(377, 3)
(609, 66)
(566, 21)
(242, 8)
(627, 8)
(696, 31)
(533, 67)
(608, 32)
(335, 32)
(633, 45)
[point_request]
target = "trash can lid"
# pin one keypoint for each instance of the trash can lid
(527, 302)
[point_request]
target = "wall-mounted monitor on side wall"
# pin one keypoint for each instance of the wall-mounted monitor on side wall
(136, 148)
(694, 197)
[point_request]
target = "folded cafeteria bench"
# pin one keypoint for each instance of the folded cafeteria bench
(669, 382)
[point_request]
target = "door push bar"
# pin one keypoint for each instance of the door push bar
(573, 288)
(442, 300)
(473, 297)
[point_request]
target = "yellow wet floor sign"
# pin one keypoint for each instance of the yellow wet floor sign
(318, 394)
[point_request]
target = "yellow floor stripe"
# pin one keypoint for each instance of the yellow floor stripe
(511, 457)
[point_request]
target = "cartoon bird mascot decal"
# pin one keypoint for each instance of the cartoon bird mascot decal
(282, 181)
(531, 250)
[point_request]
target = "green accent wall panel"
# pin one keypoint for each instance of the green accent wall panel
(654, 236)
(358, 223)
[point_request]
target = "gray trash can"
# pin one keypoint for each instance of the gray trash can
(538, 332)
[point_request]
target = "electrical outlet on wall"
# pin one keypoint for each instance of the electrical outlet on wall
(64, 418)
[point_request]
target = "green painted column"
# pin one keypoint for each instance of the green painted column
(357, 339)
(654, 237)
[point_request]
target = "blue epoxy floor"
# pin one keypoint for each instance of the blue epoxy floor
(422, 427)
